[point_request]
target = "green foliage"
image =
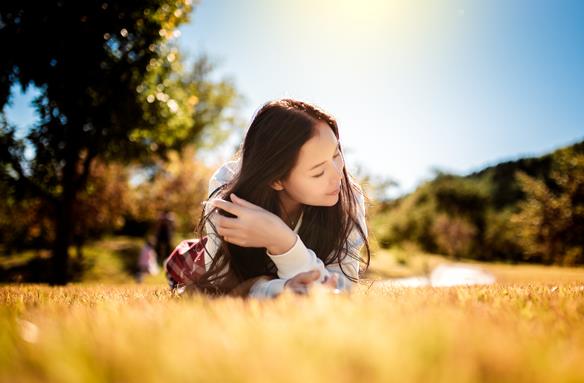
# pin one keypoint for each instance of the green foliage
(111, 203)
(537, 216)
(454, 235)
(446, 209)
(500, 238)
(550, 220)
(102, 204)
(179, 185)
(112, 88)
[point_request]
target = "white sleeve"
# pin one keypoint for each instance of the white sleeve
(300, 259)
(267, 289)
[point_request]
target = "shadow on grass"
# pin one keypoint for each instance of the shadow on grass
(35, 270)
(107, 260)
(128, 257)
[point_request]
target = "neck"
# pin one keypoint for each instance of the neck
(291, 208)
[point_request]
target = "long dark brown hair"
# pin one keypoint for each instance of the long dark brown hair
(268, 153)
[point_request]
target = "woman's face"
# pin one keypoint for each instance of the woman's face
(316, 178)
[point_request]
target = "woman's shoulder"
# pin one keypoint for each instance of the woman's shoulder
(361, 214)
(359, 195)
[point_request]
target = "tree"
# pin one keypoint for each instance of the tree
(550, 221)
(453, 235)
(112, 87)
(180, 186)
(445, 214)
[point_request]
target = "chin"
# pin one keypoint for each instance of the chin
(332, 200)
(327, 201)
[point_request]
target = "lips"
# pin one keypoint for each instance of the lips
(335, 192)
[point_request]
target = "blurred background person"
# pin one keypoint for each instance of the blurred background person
(164, 231)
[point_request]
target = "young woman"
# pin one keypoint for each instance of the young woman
(285, 213)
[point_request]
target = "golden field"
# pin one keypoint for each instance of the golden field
(528, 327)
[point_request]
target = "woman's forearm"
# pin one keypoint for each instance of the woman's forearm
(282, 240)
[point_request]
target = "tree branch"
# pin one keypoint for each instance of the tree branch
(92, 152)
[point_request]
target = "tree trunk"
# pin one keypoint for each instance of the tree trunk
(63, 237)
(64, 224)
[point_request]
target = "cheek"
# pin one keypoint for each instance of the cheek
(316, 188)
(310, 190)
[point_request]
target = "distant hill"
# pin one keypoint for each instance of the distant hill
(506, 190)
(531, 208)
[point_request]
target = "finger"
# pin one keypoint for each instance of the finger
(234, 236)
(307, 277)
(233, 233)
(331, 281)
(242, 202)
(300, 289)
(226, 222)
(234, 240)
(227, 206)
(297, 288)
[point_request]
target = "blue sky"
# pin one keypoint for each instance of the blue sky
(414, 85)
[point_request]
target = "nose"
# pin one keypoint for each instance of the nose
(338, 171)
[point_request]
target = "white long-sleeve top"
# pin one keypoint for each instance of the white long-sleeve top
(296, 260)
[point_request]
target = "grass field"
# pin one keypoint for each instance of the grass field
(529, 327)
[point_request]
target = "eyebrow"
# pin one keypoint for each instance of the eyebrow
(322, 163)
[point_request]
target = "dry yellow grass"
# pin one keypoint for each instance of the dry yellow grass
(512, 332)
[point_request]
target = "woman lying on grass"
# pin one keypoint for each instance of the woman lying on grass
(285, 213)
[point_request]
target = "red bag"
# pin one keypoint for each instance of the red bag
(186, 263)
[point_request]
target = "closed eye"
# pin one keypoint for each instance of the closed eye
(319, 175)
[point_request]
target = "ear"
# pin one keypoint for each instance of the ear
(277, 185)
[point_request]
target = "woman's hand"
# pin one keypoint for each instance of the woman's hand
(302, 282)
(252, 226)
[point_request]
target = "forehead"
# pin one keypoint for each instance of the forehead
(318, 148)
